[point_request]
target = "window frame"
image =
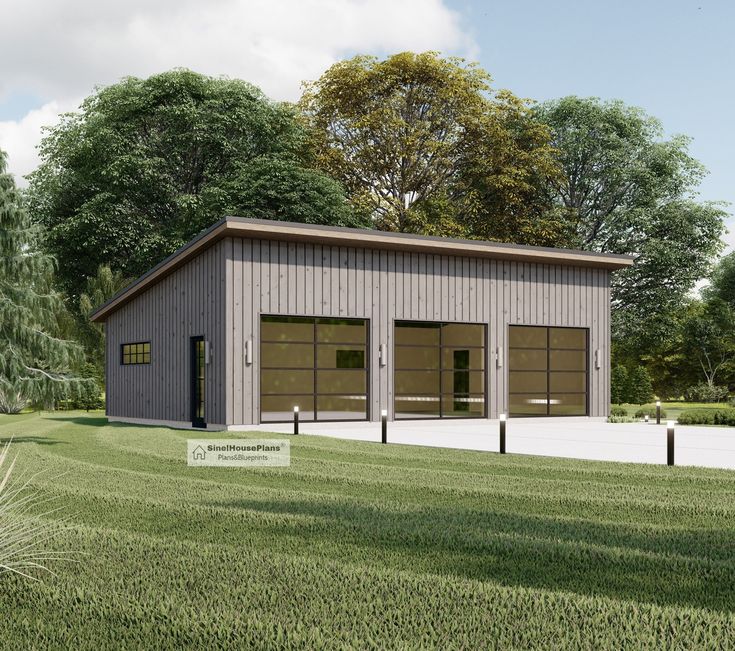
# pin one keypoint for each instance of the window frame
(130, 354)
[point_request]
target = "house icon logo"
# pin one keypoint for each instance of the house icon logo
(198, 453)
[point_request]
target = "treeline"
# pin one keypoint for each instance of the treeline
(414, 143)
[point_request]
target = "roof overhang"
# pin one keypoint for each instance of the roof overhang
(361, 238)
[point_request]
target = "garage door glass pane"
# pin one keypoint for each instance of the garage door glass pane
(525, 337)
(568, 360)
(452, 358)
(567, 338)
(463, 382)
(286, 329)
(341, 382)
(527, 360)
(351, 407)
(340, 331)
(416, 334)
(567, 382)
(342, 356)
(570, 404)
(528, 404)
(287, 355)
(529, 381)
(417, 407)
(416, 357)
(280, 408)
(462, 334)
(281, 381)
(423, 382)
(462, 406)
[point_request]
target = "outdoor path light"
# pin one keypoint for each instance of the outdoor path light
(502, 433)
(296, 419)
(384, 425)
(670, 443)
(658, 412)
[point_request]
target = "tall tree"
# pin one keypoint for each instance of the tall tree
(627, 190)
(36, 363)
(423, 144)
(722, 280)
(148, 163)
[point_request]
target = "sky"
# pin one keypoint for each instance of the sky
(673, 58)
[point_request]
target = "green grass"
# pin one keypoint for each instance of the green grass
(674, 408)
(358, 545)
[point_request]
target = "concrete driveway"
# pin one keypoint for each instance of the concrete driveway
(575, 438)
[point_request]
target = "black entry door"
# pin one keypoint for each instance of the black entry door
(197, 382)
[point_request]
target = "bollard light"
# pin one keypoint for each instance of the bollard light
(645, 418)
(502, 433)
(296, 419)
(658, 412)
(384, 426)
(670, 443)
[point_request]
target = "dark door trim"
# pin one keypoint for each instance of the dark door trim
(197, 379)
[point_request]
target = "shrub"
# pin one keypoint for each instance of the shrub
(618, 411)
(619, 419)
(704, 392)
(707, 417)
(650, 411)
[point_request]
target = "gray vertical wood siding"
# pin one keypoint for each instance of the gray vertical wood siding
(188, 302)
(223, 292)
(269, 277)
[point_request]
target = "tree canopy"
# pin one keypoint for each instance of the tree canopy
(423, 144)
(625, 189)
(36, 363)
(148, 163)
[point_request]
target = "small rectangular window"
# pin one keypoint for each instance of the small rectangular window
(137, 353)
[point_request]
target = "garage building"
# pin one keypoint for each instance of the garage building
(254, 317)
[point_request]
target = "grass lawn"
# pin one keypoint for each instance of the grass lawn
(674, 408)
(367, 546)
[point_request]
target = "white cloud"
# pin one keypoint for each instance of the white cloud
(60, 50)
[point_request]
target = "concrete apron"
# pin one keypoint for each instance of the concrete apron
(574, 438)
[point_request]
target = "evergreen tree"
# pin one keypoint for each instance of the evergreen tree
(619, 385)
(36, 362)
(640, 389)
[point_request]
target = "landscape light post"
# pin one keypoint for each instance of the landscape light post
(296, 419)
(502, 433)
(658, 412)
(384, 426)
(670, 443)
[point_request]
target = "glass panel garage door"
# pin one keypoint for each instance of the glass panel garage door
(439, 370)
(547, 371)
(318, 364)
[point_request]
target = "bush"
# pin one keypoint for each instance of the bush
(618, 411)
(707, 417)
(619, 419)
(650, 411)
(704, 392)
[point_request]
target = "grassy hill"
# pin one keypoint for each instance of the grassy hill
(367, 546)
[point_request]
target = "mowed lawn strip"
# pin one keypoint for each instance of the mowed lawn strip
(362, 545)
